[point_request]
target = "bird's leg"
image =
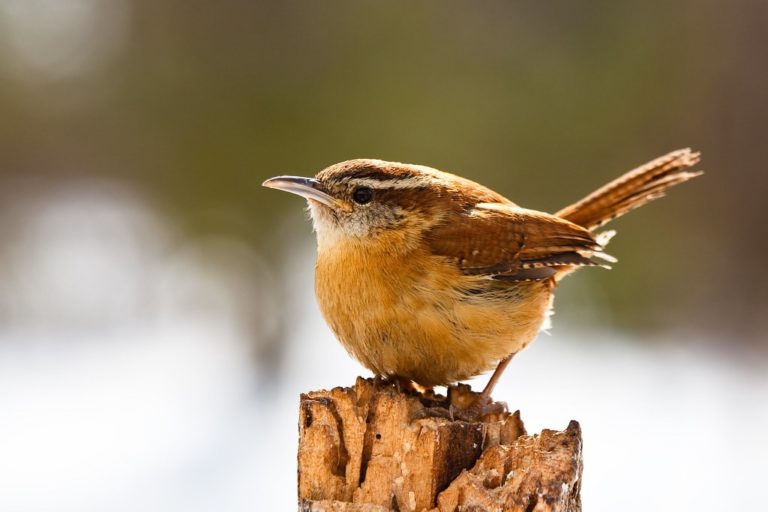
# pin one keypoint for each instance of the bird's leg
(428, 392)
(402, 384)
(486, 393)
(483, 404)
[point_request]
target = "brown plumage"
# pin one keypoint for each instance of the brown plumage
(430, 277)
(632, 190)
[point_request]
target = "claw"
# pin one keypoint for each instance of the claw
(401, 384)
(480, 407)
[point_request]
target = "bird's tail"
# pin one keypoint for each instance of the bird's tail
(634, 189)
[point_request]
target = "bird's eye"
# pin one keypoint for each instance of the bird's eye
(362, 195)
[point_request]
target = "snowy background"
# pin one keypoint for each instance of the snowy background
(105, 410)
(157, 318)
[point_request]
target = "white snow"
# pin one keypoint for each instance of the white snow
(166, 414)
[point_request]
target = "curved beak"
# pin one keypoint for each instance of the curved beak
(307, 188)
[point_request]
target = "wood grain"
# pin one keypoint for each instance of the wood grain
(373, 448)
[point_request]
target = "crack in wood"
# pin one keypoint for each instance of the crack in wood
(375, 449)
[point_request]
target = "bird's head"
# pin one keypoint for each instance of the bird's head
(373, 200)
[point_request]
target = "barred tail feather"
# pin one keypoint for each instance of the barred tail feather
(632, 190)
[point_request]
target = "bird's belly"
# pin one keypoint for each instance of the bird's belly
(433, 327)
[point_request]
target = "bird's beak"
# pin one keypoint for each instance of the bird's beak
(307, 188)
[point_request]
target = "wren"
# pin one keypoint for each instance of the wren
(431, 278)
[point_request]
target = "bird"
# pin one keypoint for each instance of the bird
(429, 278)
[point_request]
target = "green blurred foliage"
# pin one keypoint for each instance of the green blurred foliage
(541, 101)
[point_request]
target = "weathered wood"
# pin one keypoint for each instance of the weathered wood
(372, 448)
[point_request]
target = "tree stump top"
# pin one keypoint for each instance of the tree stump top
(371, 448)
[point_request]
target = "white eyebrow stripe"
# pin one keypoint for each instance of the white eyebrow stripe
(395, 183)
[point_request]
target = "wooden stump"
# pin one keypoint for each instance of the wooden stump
(373, 448)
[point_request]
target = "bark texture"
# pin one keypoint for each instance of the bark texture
(372, 448)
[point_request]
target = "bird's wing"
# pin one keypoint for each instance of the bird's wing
(506, 242)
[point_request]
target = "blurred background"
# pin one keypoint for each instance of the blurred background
(157, 319)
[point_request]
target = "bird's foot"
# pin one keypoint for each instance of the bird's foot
(402, 384)
(480, 407)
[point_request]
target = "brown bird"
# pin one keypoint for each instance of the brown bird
(428, 277)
